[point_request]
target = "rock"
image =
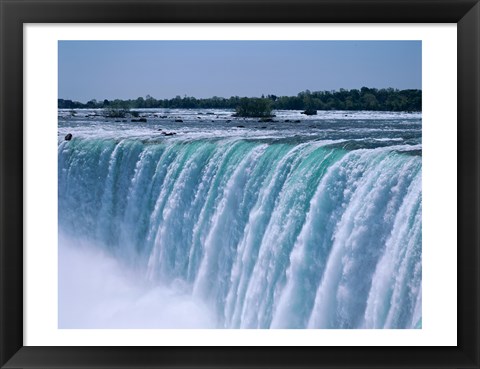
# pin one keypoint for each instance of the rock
(68, 137)
(310, 112)
(168, 133)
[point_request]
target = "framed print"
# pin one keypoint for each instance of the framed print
(235, 184)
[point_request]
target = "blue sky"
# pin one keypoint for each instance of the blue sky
(164, 69)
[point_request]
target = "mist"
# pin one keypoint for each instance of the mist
(96, 291)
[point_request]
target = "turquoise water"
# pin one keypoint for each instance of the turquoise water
(310, 225)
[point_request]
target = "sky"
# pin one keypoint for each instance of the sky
(164, 69)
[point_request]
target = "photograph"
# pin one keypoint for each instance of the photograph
(239, 184)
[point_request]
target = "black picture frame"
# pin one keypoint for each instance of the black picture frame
(15, 13)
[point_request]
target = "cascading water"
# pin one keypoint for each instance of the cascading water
(268, 231)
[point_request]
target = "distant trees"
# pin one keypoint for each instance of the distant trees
(69, 104)
(364, 99)
(92, 104)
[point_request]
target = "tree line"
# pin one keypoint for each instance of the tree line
(388, 99)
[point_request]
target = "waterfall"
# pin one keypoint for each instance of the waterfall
(269, 233)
